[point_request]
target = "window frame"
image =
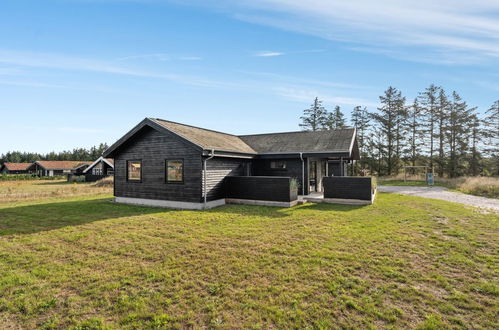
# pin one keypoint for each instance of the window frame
(166, 170)
(127, 171)
(278, 168)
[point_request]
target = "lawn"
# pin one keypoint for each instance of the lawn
(405, 262)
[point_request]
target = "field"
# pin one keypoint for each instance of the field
(478, 186)
(82, 262)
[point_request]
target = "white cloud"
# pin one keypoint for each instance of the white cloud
(445, 31)
(308, 95)
(190, 58)
(268, 54)
(65, 62)
(159, 57)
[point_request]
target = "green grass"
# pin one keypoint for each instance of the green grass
(405, 262)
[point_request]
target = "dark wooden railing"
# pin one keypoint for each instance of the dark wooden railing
(348, 187)
(264, 188)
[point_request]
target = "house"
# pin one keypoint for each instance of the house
(58, 167)
(15, 168)
(99, 169)
(164, 163)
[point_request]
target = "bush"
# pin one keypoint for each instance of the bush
(374, 183)
(480, 186)
(21, 177)
(77, 178)
(294, 184)
(106, 182)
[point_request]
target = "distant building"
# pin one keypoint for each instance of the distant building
(58, 167)
(15, 168)
(99, 169)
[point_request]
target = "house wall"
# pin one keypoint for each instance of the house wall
(334, 168)
(217, 169)
(153, 148)
(261, 167)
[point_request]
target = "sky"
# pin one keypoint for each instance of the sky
(75, 73)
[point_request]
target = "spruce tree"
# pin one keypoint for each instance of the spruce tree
(491, 123)
(387, 118)
(314, 117)
(415, 132)
(360, 120)
(429, 102)
(458, 131)
(441, 114)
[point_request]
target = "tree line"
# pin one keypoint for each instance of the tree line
(437, 129)
(83, 154)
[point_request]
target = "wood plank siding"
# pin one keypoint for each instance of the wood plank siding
(217, 169)
(153, 148)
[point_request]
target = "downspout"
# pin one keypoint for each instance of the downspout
(302, 174)
(204, 177)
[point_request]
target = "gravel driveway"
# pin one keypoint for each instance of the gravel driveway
(444, 194)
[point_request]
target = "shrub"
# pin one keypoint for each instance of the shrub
(374, 183)
(106, 182)
(294, 184)
(77, 178)
(21, 177)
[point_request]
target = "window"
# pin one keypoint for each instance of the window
(175, 171)
(278, 164)
(97, 171)
(134, 170)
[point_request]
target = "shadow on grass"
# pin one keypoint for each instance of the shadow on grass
(28, 219)
(251, 210)
(280, 212)
(331, 207)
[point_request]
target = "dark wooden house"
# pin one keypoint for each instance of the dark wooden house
(58, 167)
(99, 169)
(15, 168)
(163, 163)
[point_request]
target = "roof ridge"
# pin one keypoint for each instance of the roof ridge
(202, 128)
(289, 132)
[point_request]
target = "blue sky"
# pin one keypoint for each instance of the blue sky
(79, 72)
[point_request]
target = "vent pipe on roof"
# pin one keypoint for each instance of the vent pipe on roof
(204, 177)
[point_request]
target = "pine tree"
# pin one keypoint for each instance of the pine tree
(314, 117)
(428, 100)
(335, 119)
(491, 134)
(388, 117)
(460, 116)
(415, 132)
(475, 140)
(360, 120)
(441, 113)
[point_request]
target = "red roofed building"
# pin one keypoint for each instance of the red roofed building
(58, 167)
(15, 168)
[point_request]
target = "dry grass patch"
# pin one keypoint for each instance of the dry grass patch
(11, 191)
(479, 186)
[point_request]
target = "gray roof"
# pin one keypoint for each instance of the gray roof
(331, 141)
(207, 139)
(337, 141)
